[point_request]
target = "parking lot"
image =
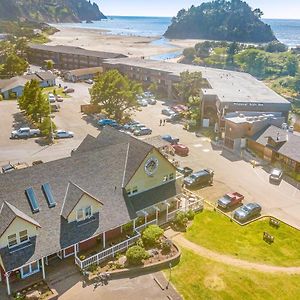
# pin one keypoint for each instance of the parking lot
(231, 172)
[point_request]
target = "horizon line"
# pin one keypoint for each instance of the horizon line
(140, 16)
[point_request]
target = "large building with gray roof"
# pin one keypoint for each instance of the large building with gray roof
(107, 182)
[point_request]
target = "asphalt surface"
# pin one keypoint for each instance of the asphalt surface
(232, 173)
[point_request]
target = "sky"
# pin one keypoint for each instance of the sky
(277, 9)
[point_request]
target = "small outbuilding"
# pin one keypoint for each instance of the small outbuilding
(82, 74)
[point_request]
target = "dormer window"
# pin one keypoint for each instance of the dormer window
(15, 239)
(84, 213)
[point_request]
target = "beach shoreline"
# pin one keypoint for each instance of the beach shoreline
(130, 45)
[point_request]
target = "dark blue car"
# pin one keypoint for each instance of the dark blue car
(109, 122)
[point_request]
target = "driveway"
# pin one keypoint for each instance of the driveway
(232, 173)
(135, 288)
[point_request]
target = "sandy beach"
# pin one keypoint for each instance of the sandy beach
(101, 40)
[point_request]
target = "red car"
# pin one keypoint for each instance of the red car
(181, 149)
(230, 199)
(177, 109)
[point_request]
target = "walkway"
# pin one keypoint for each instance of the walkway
(180, 240)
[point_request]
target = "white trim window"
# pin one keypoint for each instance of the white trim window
(84, 213)
(88, 212)
(23, 236)
(12, 240)
(31, 269)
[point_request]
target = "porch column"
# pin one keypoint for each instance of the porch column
(103, 240)
(7, 283)
(43, 269)
(167, 218)
(145, 218)
(133, 224)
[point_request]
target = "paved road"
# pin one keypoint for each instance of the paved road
(231, 172)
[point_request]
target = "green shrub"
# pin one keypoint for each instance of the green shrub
(92, 268)
(128, 228)
(135, 255)
(190, 214)
(166, 246)
(180, 221)
(151, 235)
(140, 243)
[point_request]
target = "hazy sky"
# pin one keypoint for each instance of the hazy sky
(280, 9)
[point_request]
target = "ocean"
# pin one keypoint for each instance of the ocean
(286, 31)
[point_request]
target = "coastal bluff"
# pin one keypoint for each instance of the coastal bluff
(50, 11)
(221, 20)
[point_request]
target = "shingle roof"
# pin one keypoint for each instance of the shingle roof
(46, 75)
(288, 143)
(156, 195)
(99, 170)
(157, 141)
(9, 212)
(73, 195)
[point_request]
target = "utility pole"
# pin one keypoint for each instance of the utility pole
(51, 126)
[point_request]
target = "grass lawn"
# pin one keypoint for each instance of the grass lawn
(215, 231)
(198, 278)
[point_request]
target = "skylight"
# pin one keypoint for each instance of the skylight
(32, 200)
(48, 195)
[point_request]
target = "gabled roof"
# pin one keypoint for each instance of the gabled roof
(288, 144)
(86, 71)
(46, 75)
(73, 195)
(8, 213)
(137, 150)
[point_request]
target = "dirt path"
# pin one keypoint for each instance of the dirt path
(180, 240)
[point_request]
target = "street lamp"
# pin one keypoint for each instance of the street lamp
(170, 268)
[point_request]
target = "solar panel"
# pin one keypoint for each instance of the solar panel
(32, 200)
(48, 194)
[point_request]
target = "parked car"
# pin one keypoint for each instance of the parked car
(69, 90)
(37, 162)
(177, 108)
(291, 129)
(168, 112)
(230, 199)
(63, 134)
(24, 133)
(151, 101)
(247, 212)
(89, 81)
(174, 117)
(201, 178)
(130, 124)
(142, 102)
(7, 168)
(137, 127)
(51, 98)
(104, 122)
(185, 171)
(276, 175)
(170, 139)
(142, 131)
(59, 99)
(148, 94)
(181, 149)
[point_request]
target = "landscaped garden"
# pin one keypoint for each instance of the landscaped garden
(39, 290)
(150, 249)
(217, 232)
(196, 278)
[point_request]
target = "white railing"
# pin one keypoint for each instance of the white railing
(142, 227)
(110, 252)
(172, 214)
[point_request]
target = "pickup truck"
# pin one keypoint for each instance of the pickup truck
(230, 199)
(24, 133)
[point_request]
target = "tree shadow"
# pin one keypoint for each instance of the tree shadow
(92, 120)
(19, 121)
(233, 157)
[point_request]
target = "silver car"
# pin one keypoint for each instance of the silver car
(63, 134)
(246, 212)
